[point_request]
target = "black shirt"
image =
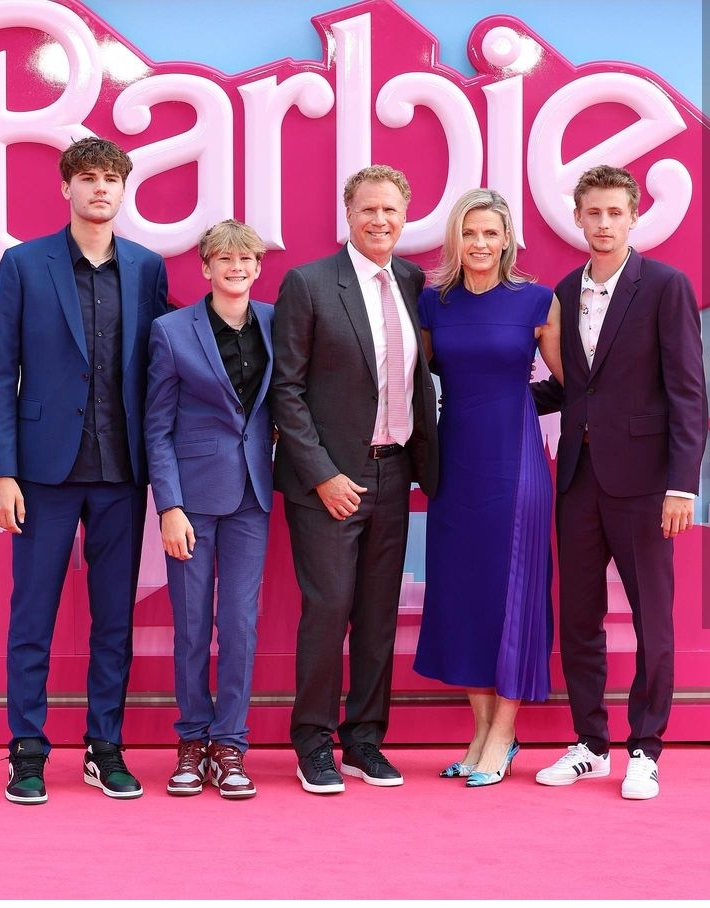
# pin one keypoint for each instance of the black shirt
(243, 354)
(103, 451)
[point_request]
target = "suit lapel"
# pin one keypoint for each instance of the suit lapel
(62, 273)
(569, 301)
(618, 304)
(262, 320)
(354, 304)
(128, 274)
(205, 335)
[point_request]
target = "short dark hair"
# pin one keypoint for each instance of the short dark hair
(93, 153)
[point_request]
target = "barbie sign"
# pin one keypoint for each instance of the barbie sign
(274, 146)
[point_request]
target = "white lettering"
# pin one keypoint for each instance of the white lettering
(552, 181)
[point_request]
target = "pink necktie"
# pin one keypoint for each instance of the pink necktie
(398, 411)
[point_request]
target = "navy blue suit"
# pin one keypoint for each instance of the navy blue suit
(44, 388)
(207, 458)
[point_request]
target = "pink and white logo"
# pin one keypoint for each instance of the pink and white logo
(274, 146)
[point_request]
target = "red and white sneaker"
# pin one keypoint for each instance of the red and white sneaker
(192, 768)
(228, 773)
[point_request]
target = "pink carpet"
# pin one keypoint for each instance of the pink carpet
(428, 839)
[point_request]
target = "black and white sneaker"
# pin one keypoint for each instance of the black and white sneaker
(26, 777)
(367, 762)
(104, 768)
(317, 772)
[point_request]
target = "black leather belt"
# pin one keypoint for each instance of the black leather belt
(377, 452)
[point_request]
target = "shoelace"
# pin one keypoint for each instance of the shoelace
(324, 759)
(110, 761)
(373, 754)
(28, 767)
(640, 766)
(191, 755)
(229, 759)
(575, 754)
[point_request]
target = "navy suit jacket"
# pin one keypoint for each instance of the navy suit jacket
(199, 443)
(44, 367)
(324, 393)
(644, 399)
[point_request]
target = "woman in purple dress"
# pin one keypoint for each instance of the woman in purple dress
(487, 618)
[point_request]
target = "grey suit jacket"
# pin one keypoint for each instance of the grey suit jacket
(324, 389)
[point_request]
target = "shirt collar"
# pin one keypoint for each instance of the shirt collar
(610, 284)
(217, 322)
(365, 268)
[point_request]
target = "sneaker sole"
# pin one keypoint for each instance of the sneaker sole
(638, 796)
(592, 774)
(246, 793)
(183, 792)
(120, 795)
(41, 799)
(333, 788)
(371, 780)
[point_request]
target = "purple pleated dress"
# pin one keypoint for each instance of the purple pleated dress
(487, 616)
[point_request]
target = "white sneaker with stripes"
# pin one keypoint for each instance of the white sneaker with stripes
(578, 763)
(641, 780)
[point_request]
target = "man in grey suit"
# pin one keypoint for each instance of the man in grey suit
(345, 470)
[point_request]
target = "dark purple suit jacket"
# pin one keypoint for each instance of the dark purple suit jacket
(644, 399)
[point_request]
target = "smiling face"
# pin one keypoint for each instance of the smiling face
(231, 274)
(376, 217)
(483, 238)
(94, 195)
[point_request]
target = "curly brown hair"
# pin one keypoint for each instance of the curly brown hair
(93, 153)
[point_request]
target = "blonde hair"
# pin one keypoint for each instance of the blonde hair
(449, 271)
(230, 236)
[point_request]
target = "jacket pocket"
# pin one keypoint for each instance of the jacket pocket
(195, 449)
(29, 409)
(653, 424)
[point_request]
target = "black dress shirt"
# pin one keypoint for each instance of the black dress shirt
(103, 453)
(243, 354)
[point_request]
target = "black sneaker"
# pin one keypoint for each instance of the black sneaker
(317, 772)
(26, 782)
(104, 768)
(367, 762)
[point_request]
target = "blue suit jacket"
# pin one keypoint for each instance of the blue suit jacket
(44, 368)
(199, 444)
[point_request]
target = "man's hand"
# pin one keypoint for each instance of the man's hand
(177, 534)
(12, 505)
(340, 495)
(677, 515)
